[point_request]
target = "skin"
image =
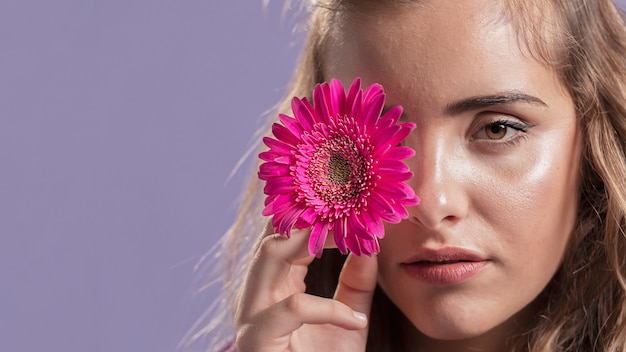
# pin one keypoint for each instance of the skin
(508, 194)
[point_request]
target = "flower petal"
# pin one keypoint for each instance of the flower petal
(373, 110)
(374, 225)
(321, 97)
(279, 204)
(392, 190)
(357, 107)
(278, 146)
(383, 208)
(303, 112)
(399, 153)
(301, 224)
(410, 201)
(272, 155)
(353, 244)
(339, 233)
(395, 176)
(371, 93)
(338, 98)
(355, 89)
(284, 134)
(355, 227)
(279, 185)
(271, 169)
(399, 209)
(369, 247)
(292, 124)
(318, 237)
(386, 167)
(405, 130)
(269, 155)
(390, 164)
(288, 219)
(390, 117)
(382, 138)
(309, 215)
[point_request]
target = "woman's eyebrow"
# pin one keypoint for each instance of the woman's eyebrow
(479, 102)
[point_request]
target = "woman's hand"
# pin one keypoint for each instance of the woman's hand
(275, 314)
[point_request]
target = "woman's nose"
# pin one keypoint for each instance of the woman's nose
(439, 181)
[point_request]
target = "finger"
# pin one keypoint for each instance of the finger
(288, 315)
(357, 282)
(277, 270)
(277, 254)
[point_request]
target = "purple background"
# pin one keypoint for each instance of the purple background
(120, 122)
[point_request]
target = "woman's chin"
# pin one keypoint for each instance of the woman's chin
(452, 333)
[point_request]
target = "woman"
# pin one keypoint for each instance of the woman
(518, 241)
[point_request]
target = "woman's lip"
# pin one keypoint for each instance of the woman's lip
(445, 274)
(445, 266)
(447, 254)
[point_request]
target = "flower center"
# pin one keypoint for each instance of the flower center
(338, 169)
(337, 172)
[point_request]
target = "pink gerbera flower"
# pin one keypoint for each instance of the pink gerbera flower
(337, 166)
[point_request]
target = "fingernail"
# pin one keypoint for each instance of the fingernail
(360, 316)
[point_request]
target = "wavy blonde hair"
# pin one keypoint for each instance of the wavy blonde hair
(584, 306)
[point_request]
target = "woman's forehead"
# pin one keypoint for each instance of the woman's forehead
(538, 27)
(400, 36)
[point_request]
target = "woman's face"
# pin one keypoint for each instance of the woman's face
(496, 166)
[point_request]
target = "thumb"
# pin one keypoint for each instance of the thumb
(357, 282)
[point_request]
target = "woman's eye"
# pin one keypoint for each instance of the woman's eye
(501, 130)
(496, 131)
